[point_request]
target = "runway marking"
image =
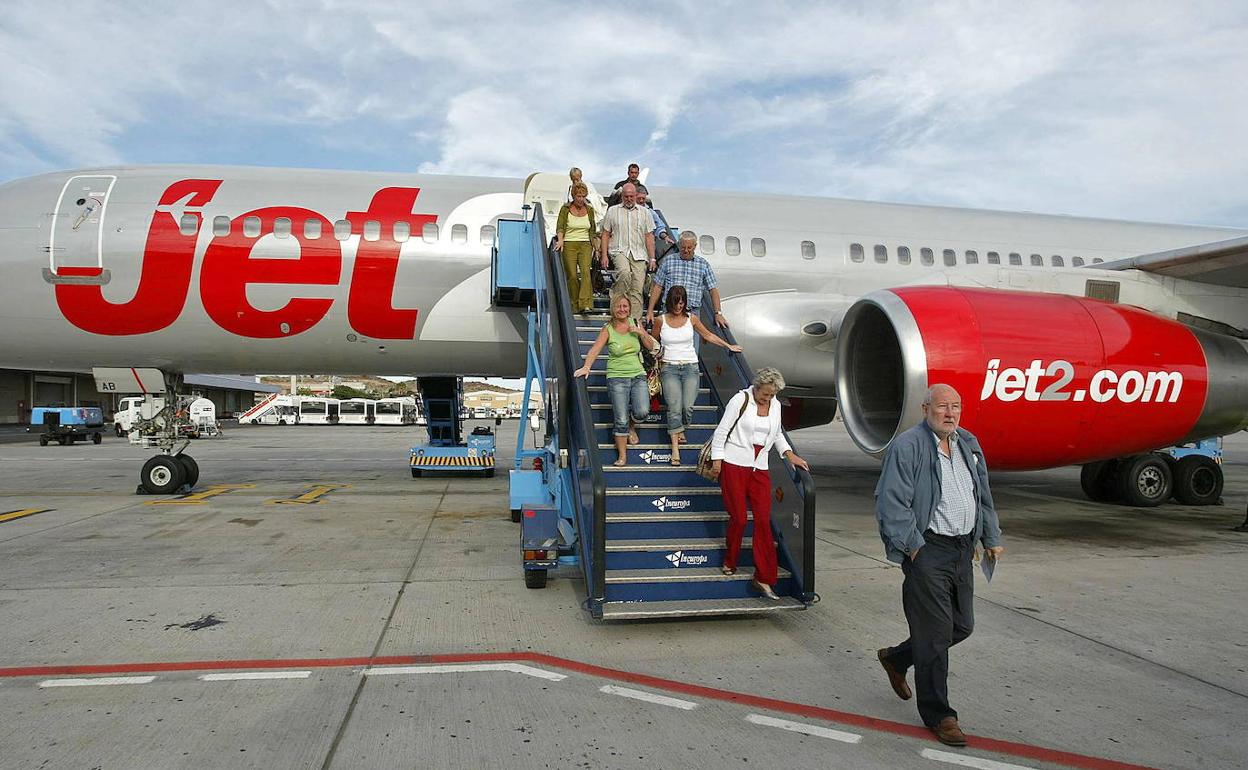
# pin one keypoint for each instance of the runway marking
(98, 681)
(515, 668)
(23, 513)
(804, 729)
(312, 496)
(1009, 748)
(241, 675)
(199, 498)
(979, 763)
(648, 697)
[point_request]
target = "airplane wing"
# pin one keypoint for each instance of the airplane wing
(1222, 263)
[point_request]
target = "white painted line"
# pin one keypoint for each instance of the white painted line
(462, 668)
(649, 697)
(97, 681)
(804, 729)
(976, 762)
(230, 677)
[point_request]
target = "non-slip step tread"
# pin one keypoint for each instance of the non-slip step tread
(661, 491)
(667, 544)
(697, 607)
(638, 517)
(682, 575)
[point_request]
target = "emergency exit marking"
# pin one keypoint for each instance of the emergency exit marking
(312, 496)
(11, 515)
(198, 498)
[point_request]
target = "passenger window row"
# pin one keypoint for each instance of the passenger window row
(732, 246)
(949, 257)
(312, 229)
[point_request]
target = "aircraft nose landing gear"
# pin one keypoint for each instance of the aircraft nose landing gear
(161, 422)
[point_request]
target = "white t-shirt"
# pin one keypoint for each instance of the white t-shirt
(678, 343)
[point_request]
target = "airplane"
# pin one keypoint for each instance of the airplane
(1072, 340)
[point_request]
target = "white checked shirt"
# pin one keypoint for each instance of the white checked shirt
(628, 228)
(955, 513)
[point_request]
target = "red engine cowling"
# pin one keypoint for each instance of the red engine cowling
(1045, 379)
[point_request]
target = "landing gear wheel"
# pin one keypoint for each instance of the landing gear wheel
(1145, 480)
(1198, 481)
(535, 578)
(515, 515)
(1097, 480)
(96, 438)
(162, 475)
(190, 469)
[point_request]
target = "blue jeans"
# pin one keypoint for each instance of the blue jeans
(622, 390)
(680, 391)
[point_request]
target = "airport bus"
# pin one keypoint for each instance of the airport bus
(318, 411)
(357, 411)
(397, 411)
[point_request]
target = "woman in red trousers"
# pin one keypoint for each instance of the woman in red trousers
(739, 449)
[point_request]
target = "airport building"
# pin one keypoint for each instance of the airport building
(20, 391)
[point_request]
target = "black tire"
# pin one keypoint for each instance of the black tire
(535, 578)
(489, 474)
(255, 420)
(162, 475)
(1097, 480)
(190, 470)
(515, 515)
(1145, 481)
(416, 473)
(43, 441)
(117, 429)
(96, 438)
(1198, 481)
(63, 440)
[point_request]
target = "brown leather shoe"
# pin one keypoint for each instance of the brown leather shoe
(948, 732)
(895, 677)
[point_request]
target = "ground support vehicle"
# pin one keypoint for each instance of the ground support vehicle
(67, 424)
(446, 451)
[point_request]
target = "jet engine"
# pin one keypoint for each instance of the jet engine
(1045, 379)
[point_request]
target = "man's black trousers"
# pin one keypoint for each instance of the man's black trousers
(938, 595)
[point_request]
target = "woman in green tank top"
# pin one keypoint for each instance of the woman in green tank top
(626, 377)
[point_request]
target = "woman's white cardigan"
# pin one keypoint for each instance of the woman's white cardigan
(738, 448)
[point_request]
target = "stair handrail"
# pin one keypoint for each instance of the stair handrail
(800, 479)
(580, 431)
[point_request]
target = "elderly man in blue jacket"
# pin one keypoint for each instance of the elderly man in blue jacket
(933, 506)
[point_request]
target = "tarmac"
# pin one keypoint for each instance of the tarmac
(315, 607)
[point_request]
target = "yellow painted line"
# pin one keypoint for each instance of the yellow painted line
(312, 496)
(11, 515)
(198, 498)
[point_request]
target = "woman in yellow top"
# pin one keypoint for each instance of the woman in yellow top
(626, 378)
(572, 233)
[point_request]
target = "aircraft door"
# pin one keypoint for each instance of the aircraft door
(77, 234)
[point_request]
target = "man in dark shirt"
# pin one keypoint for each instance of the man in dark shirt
(633, 172)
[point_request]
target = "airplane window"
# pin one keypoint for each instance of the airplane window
(732, 245)
(312, 229)
(372, 230)
(487, 235)
(950, 257)
(903, 255)
(402, 231)
(1016, 259)
(855, 252)
(881, 253)
(220, 225)
(188, 224)
(459, 233)
(927, 256)
(342, 229)
(706, 244)
(429, 233)
(251, 227)
(1097, 260)
(758, 247)
(1058, 261)
(1076, 261)
(1037, 260)
(994, 258)
(281, 227)
(808, 249)
(972, 257)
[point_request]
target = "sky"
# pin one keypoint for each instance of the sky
(1133, 110)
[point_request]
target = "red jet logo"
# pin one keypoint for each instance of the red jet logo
(228, 269)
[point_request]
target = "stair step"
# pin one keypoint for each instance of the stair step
(680, 525)
(683, 575)
(685, 544)
(685, 553)
(656, 585)
(686, 608)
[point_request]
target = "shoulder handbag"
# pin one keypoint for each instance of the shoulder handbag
(706, 466)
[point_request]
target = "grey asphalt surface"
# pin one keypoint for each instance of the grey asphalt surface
(1107, 631)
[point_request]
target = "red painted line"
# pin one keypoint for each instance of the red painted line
(1011, 748)
(138, 380)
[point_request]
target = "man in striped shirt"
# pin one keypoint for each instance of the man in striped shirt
(933, 506)
(628, 246)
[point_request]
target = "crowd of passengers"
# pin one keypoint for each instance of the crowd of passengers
(625, 242)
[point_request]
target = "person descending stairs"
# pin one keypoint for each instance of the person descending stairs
(665, 524)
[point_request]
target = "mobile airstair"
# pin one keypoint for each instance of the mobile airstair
(648, 537)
